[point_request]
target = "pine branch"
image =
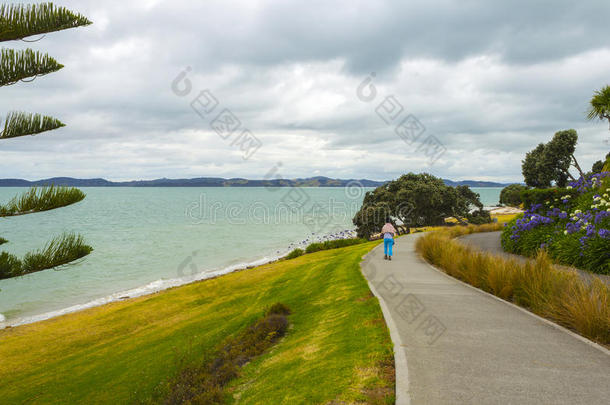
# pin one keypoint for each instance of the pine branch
(19, 65)
(21, 124)
(18, 21)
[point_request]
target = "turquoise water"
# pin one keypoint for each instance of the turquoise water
(148, 239)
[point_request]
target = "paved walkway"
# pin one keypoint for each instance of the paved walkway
(490, 242)
(457, 345)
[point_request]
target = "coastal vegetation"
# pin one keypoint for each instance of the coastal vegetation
(573, 228)
(336, 350)
(417, 200)
(511, 195)
(539, 286)
(17, 22)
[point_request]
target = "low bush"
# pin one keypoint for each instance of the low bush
(539, 286)
(333, 244)
(204, 384)
(511, 195)
(539, 196)
(295, 253)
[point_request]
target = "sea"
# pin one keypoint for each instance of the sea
(147, 239)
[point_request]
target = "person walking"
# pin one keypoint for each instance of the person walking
(388, 231)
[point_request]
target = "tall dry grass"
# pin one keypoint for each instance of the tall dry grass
(537, 285)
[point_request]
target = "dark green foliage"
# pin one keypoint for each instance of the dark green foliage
(41, 199)
(333, 244)
(21, 124)
(479, 217)
(18, 21)
(3, 241)
(23, 64)
(295, 253)
(203, 384)
(511, 195)
(539, 196)
(550, 162)
(9, 265)
(415, 200)
(597, 167)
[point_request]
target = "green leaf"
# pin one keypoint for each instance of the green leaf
(18, 21)
(19, 65)
(21, 124)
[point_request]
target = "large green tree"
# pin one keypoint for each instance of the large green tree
(416, 200)
(551, 162)
(17, 22)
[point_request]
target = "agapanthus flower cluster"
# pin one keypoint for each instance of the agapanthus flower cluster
(586, 224)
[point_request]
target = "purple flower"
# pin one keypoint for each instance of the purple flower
(604, 233)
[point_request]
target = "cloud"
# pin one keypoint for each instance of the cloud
(489, 79)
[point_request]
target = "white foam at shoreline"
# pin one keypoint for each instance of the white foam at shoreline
(150, 288)
(155, 286)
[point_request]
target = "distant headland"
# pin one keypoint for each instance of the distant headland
(318, 181)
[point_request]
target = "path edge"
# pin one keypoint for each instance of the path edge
(401, 380)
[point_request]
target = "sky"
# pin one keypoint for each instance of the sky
(345, 89)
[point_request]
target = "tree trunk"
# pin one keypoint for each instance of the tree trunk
(577, 166)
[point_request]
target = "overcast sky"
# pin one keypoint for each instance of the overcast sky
(487, 79)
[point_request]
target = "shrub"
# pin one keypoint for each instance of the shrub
(479, 217)
(278, 309)
(511, 195)
(540, 195)
(333, 244)
(295, 253)
(574, 227)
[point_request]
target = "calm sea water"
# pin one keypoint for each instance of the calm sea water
(148, 239)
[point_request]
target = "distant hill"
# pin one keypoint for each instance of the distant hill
(319, 181)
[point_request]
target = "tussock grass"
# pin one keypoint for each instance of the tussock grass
(59, 251)
(38, 199)
(536, 285)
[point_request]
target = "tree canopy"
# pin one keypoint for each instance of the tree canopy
(18, 22)
(414, 200)
(551, 162)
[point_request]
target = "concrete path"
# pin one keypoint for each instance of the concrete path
(455, 344)
(490, 242)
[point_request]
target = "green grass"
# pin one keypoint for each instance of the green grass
(337, 349)
(39, 199)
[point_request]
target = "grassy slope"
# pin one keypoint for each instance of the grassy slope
(122, 351)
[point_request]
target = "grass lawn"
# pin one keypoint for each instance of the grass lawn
(337, 348)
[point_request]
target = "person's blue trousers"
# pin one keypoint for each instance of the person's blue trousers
(387, 246)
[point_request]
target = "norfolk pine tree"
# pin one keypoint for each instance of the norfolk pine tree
(17, 22)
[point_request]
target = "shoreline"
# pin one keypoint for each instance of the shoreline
(159, 285)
